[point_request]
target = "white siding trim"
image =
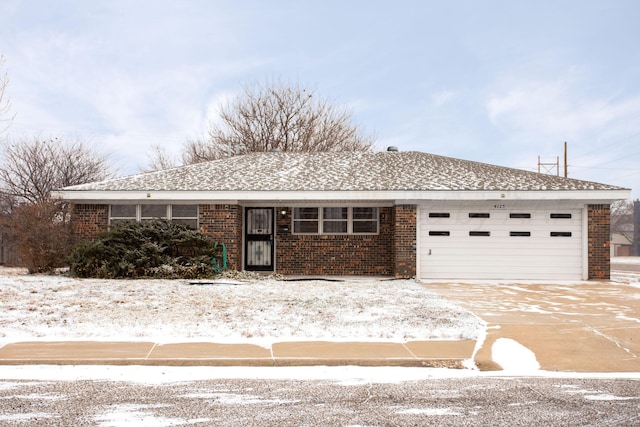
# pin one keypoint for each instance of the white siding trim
(400, 197)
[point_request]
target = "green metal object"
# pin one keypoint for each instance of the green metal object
(219, 262)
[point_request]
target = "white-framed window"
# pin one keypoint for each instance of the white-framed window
(186, 214)
(306, 220)
(121, 213)
(364, 220)
(336, 220)
(151, 212)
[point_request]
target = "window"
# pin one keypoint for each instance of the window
(479, 215)
(185, 214)
(560, 216)
(439, 233)
(365, 220)
(306, 220)
(121, 213)
(520, 234)
(439, 215)
(480, 233)
(151, 212)
(560, 234)
(519, 215)
(335, 220)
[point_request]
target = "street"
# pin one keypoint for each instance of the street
(517, 401)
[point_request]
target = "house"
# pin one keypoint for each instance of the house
(622, 244)
(401, 214)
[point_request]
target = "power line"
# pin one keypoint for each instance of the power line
(599, 168)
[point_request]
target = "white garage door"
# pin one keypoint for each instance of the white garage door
(503, 243)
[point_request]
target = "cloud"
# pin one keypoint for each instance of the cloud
(443, 97)
(558, 110)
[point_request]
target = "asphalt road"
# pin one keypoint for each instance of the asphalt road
(480, 401)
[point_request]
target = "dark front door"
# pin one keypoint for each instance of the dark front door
(259, 239)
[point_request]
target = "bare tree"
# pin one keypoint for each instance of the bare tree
(31, 221)
(5, 103)
(622, 218)
(159, 160)
(278, 116)
(33, 168)
(201, 150)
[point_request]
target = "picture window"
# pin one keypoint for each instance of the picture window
(185, 214)
(336, 220)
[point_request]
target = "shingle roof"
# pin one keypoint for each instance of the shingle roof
(341, 171)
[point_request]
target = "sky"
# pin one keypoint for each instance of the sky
(500, 82)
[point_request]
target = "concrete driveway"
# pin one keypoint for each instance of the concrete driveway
(578, 327)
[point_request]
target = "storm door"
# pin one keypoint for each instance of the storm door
(259, 239)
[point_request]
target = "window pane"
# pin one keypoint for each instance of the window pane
(560, 215)
(120, 221)
(365, 226)
(184, 211)
(365, 213)
(335, 213)
(560, 234)
(305, 227)
(191, 223)
(305, 213)
(334, 227)
(123, 211)
(439, 215)
(154, 211)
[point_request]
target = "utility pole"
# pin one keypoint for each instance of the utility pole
(548, 167)
(565, 159)
(636, 228)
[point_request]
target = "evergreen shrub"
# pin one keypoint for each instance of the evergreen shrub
(147, 249)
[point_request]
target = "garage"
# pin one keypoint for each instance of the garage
(500, 241)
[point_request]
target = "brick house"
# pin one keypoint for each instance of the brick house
(400, 214)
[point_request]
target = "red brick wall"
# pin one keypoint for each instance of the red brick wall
(88, 221)
(404, 242)
(366, 255)
(599, 217)
(224, 224)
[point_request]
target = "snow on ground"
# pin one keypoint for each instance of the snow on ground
(37, 307)
(513, 356)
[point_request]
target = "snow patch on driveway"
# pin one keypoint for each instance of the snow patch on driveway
(513, 356)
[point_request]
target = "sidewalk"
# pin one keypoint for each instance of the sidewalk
(446, 354)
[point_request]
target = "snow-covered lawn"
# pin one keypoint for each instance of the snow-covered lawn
(260, 312)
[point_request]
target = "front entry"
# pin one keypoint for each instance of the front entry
(259, 238)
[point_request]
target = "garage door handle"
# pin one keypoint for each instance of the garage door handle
(429, 251)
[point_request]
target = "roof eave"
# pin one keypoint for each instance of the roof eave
(594, 196)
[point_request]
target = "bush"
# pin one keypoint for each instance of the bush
(41, 234)
(155, 249)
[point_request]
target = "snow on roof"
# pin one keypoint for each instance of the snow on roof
(341, 171)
